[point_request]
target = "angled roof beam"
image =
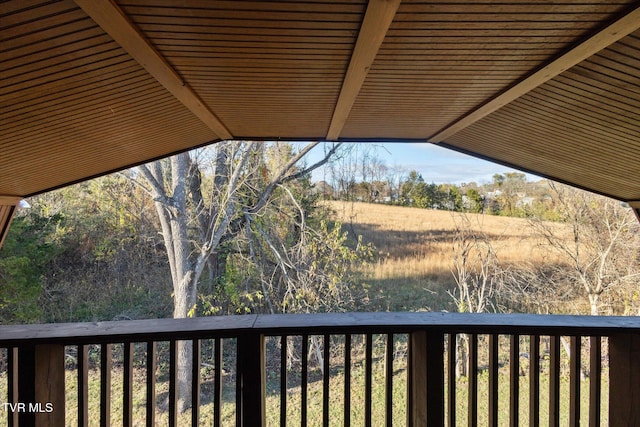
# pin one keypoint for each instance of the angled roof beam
(8, 205)
(635, 205)
(604, 38)
(375, 24)
(108, 15)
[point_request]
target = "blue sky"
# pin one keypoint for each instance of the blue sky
(436, 164)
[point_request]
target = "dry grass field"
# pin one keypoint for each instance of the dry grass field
(414, 267)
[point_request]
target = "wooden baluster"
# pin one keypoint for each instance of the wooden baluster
(595, 381)
(326, 375)
(347, 380)
(304, 356)
(283, 380)
(473, 380)
(12, 384)
(514, 380)
(452, 354)
(389, 381)
(83, 385)
(554, 381)
(173, 383)
(195, 382)
(105, 384)
(493, 380)
(151, 384)
(127, 385)
(574, 381)
(534, 381)
(217, 383)
(368, 385)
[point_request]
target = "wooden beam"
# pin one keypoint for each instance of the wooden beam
(108, 15)
(8, 206)
(375, 24)
(604, 38)
(425, 384)
(251, 378)
(50, 385)
(10, 200)
(635, 205)
(624, 379)
(41, 387)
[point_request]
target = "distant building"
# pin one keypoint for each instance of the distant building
(325, 189)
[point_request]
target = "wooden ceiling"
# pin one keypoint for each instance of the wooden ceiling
(92, 86)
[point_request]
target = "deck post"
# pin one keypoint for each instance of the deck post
(41, 391)
(251, 379)
(624, 380)
(426, 379)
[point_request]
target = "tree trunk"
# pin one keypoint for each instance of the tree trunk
(183, 288)
(594, 302)
(462, 358)
(180, 204)
(173, 215)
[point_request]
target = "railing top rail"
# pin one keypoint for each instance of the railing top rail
(333, 323)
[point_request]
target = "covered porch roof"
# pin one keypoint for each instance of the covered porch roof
(88, 87)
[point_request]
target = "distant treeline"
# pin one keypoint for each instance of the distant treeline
(509, 194)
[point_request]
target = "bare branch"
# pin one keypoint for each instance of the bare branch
(280, 176)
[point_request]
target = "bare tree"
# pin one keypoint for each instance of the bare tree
(474, 268)
(196, 215)
(393, 180)
(600, 244)
(352, 173)
(476, 273)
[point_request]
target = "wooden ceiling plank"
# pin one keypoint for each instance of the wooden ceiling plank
(498, 148)
(113, 100)
(594, 145)
(375, 24)
(72, 138)
(55, 100)
(29, 35)
(169, 30)
(251, 25)
(559, 126)
(245, 5)
(523, 8)
(604, 38)
(11, 87)
(16, 18)
(91, 78)
(110, 17)
(54, 55)
(90, 117)
(260, 14)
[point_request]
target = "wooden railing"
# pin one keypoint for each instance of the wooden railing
(404, 365)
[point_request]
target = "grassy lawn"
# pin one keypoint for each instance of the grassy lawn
(314, 404)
